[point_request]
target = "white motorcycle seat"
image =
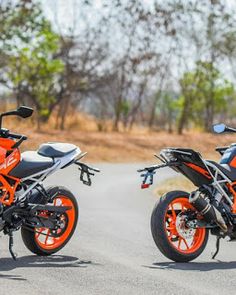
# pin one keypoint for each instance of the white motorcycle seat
(56, 149)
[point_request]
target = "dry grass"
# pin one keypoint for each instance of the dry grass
(172, 184)
(126, 147)
(138, 146)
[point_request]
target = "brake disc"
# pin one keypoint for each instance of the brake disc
(183, 230)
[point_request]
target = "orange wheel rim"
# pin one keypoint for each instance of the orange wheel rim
(182, 238)
(44, 237)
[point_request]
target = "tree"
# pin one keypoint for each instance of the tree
(204, 94)
(30, 45)
(34, 74)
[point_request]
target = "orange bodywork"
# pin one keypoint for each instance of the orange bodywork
(9, 158)
(199, 169)
(233, 192)
(233, 162)
(231, 186)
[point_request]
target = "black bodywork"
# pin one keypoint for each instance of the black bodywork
(186, 161)
(189, 163)
(214, 199)
(228, 155)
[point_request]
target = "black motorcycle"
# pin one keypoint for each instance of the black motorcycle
(181, 221)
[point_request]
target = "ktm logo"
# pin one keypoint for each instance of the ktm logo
(8, 162)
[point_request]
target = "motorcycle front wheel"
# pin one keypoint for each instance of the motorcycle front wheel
(44, 241)
(170, 233)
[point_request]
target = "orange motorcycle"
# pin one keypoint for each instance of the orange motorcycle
(47, 216)
(181, 221)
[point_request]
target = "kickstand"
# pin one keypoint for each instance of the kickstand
(217, 247)
(13, 255)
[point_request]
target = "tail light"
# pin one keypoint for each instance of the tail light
(145, 185)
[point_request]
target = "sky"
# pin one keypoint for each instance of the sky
(64, 14)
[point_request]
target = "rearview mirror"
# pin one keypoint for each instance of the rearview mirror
(219, 128)
(24, 112)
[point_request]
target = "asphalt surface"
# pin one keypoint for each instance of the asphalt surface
(112, 251)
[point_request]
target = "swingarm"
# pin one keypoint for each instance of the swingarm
(17, 214)
(33, 216)
(46, 216)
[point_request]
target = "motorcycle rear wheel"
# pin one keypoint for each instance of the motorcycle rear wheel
(43, 241)
(175, 240)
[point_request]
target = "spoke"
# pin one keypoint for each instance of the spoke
(173, 211)
(195, 237)
(46, 237)
(186, 244)
(38, 233)
(170, 228)
(170, 234)
(169, 216)
(179, 243)
(169, 237)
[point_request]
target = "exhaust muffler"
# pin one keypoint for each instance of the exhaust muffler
(209, 212)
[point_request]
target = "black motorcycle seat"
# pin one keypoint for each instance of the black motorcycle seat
(31, 163)
(56, 149)
(229, 171)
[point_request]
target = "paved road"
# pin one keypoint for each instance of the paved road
(112, 251)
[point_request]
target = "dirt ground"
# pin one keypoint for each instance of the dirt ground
(137, 146)
(127, 147)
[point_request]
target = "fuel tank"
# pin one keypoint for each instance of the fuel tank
(229, 156)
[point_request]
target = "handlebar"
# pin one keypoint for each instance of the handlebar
(6, 134)
(17, 136)
(222, 149)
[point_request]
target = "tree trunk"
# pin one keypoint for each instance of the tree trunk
(183, 117)
(116, 122)
(170, 129)
(64, 108)
(153, 111)
(117, 115)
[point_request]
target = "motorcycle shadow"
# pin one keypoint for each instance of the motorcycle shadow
(195, 266)
(54, 261)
